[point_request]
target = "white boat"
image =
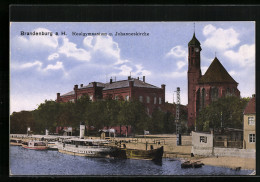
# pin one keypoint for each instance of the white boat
(53, 145)
(85, 147)
(35, 145)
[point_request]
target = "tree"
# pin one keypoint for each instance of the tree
(19, 121)
(226, 112)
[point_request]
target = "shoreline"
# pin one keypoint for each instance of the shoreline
(235, 163)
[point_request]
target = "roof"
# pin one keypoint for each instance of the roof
(250, 107)
(125, 83)
(194, 41)
(216, 73)
(90, 85)
(69, 93)
(116, 85)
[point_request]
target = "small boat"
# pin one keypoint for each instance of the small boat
(35, 145)
(153, 154)
(189, 164)
(85, 147)
(15, 141)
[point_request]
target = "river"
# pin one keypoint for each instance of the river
(31, 162)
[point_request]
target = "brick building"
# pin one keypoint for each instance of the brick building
(203, 89)
(129, 89)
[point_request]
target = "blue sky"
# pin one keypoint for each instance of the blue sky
(41, 66)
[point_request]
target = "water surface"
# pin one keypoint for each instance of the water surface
(31, 162)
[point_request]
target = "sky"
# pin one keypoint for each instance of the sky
(42, 66)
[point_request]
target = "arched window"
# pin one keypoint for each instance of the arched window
(148, 99)
(160, 100)
(141, 98)
(154, 100)
(203, 95)
(214, 93)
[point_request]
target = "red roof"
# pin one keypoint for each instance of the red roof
(250, 108)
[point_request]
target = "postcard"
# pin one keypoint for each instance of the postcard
(132, 98)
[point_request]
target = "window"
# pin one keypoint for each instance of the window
(160, 100)
(72, 100)
(251, 138)
(203, 139)
(91, 97)
(127, 98)
(251, 121)
(154, 100)
(148, 99)
(141, 98)
(116, 97)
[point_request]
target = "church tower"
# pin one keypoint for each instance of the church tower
(194, 74)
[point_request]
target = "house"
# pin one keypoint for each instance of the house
(249, 140)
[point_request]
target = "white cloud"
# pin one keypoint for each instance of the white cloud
(57, 66)
(220, 38)
(34, 41)
(29, 65)
(177, 51)
(125, 70)
(53, 56)
(208, 29)
(245, 56)
(180, 64)
(232, 72)
(204, 69)
(70, 50)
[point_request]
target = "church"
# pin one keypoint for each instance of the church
(204, 89)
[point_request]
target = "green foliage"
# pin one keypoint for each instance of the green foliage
(19, 121)
(102, 113)
(226, 112)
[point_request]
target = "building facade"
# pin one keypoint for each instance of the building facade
(130, 89)
(249, 125)
(203, 89)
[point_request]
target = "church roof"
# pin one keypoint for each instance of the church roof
(216, 73)
(250, 108)
(194, 41)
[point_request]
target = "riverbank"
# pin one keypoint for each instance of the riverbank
(230, 162)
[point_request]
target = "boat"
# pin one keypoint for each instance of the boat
(53, 145)
(86, 147)
(15, 141)
(189, 164)
(153, 154)
(35, 145)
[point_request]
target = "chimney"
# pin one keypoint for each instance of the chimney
(75, 87)
(58, 97)
(111, 80)
(163, 86)
(131, 83)
(143, 78)
(129, 77)
(138, 78)
(81, 85)
(253, 96)
(94, 84)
